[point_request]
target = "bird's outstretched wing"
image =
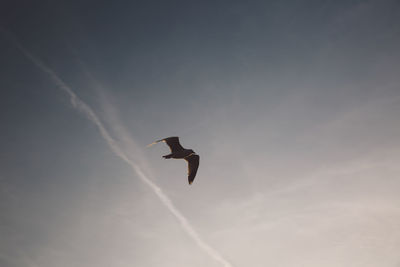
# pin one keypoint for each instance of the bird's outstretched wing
(173, 143)
(193, 164)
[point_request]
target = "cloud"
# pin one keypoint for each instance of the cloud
(90, 114)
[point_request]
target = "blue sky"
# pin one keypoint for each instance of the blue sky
(293, 107)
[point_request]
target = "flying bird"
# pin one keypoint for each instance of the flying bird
(178, 152)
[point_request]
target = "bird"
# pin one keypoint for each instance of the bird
(178, 152)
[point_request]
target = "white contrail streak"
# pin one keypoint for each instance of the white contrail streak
(84, 108)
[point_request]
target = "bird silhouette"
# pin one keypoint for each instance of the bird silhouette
(178, 152)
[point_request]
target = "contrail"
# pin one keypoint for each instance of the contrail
(85, 109)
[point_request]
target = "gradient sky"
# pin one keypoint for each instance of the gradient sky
(293, 106)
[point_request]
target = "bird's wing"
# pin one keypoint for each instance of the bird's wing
(173, 143)
(193, 164)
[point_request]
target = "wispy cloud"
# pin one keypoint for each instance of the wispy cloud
(90, 114)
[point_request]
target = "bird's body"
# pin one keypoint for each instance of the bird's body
(178, 152)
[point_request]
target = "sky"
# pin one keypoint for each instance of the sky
(293, 107)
